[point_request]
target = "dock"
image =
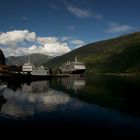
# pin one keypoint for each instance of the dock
(61, 75)
(29, 77)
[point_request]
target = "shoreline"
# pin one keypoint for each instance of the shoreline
(116, 74)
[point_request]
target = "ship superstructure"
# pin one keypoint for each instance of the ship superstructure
(74, 67)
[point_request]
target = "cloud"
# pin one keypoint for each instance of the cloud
(79, 12)
(54, 49)
(16, 36)
(82, 13)
(116, 28)
(65, 38)
(23, 42)
(53, 46)
(78, 43)
(45, 40)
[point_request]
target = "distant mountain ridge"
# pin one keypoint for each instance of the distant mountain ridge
(115, 55)
(36, 58)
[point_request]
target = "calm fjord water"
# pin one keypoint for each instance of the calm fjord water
(101, 104)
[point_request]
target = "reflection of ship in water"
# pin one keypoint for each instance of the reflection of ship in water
(73, 83)
(36, 87)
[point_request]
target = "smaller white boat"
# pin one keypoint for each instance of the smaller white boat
(30, 68)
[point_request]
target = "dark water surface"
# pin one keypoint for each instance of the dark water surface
(101, 105)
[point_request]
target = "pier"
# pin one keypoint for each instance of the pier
(29, 77)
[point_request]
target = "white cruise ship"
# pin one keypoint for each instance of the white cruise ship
(73, 67)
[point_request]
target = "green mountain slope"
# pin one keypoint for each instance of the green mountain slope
(37, 59)
(116, 55)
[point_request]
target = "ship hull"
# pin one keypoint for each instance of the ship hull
(40, 77)
(81, 71)
(78, 72)
(24, 77)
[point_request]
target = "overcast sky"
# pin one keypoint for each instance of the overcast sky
(55, 27)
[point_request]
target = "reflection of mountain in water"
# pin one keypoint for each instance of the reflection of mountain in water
(2, 98)
(29, 99)
(2, 101)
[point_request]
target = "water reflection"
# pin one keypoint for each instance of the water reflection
(103, 101)
(31, 98)
(73, 83)
(24, 99)
(3, 100)
(69, 84)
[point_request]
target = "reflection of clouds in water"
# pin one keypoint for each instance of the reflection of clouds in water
(2, 88)
(28, 101)
(39, 98)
